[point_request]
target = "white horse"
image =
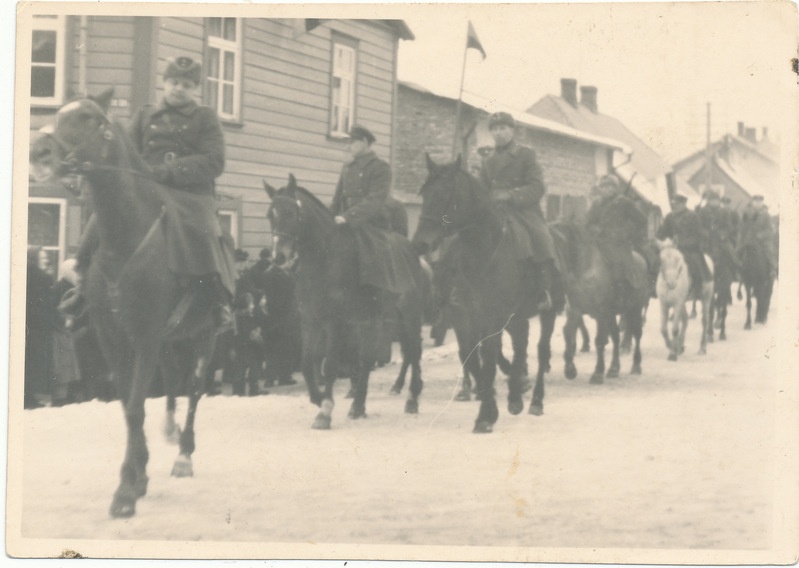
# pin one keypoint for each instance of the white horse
(674, 290)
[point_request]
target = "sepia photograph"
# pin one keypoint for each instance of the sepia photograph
(469, 282)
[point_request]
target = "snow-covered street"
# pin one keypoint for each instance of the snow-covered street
(680, 457)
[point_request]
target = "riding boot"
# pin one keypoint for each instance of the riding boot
(545, 275)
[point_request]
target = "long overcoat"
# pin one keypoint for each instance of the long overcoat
(362, 191)
(514, 168)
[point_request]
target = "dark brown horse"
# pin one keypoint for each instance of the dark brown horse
(493, 291)
(341, 317)
(590, 291)
(756, 281)
(130, 290)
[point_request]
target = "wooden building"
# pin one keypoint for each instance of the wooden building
(287, 91)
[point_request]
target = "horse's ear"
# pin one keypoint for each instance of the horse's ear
(104, 98)
(292, 183)
(270, 191)
(431, 166)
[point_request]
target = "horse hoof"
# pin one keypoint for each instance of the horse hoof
(703, 351)
(672, 357)
(395, 390)
(536, 409)
(515, 407)
(483, 427)
(586, 349)
(123, 506)
(140, 487)
(182, 467)
(321, 422)
(612, 374)
(355, 414)
(570, 372)
(722, 336)
(748, 326)
(636, 370)
(411, 407)
(597, 379)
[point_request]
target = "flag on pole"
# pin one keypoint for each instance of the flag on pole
(472, 41)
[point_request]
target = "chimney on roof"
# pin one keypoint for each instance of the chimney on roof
(740, 129)
(751, 134)
(588, 98)
(568, 91)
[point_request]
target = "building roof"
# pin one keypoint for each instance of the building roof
(645, 160)
(524, 118)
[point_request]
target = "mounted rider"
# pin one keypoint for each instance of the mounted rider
(362, 202)
(619, 228)
(756, 230)
(183, 144)
(684, 229)
(719, 240)
(514, 179)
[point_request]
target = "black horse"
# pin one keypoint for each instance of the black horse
(590, 291)
(492, 290)
(757, 282)
(340, 316)
(130, 290)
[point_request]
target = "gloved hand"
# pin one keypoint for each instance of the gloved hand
(502, 195)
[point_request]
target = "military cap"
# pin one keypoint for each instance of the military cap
(183, 68)
(677, 198)
(610, 179)
(499, 118)
(361, 133)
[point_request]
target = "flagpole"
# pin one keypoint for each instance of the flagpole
(456, 135)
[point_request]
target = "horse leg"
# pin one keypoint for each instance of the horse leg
(680, 327)
(664, 324)
(489, 413)
(133, 474)
(410, 327)
(399, 383)
(707, 328)
(311, 361)
(570, 328)
(585, 336)
(519, 329)
(722, 319)
(636, 326)
(368, 336)
(748, 324)
(469, 361)
(711, 317)
(615, 365)
(693, 309)
(547, 320)
(330, 344)
(598, 377)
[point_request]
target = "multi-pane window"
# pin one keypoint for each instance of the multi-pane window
(46, 227)
(47, 60)
(228, 222)
(223, 80)
(342, 107)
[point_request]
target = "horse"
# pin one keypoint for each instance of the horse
(590, 291)
(674, 290)
(492, 290)
(723, 275)
(339, 315)
(130, 291)
(757, 282)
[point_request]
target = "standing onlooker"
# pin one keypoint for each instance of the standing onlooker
(248, 347)
(39, 321)
(279, 319)
(67, 379)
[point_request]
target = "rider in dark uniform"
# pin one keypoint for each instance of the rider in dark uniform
(512, 175)
(684, 228)
(756, 230)
(619, 228)
(719, 240)
(183, 144)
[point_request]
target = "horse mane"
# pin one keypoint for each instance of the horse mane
(131, 153)
(306, 195)
(571, 237)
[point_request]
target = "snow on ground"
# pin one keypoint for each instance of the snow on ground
(681, 457)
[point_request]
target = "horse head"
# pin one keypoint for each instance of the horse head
(451, 202)
(672, 264)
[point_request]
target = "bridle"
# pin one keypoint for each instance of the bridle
(277, 235)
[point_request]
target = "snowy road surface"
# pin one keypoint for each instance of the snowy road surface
(681, 457)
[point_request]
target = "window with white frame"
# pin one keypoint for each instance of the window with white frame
(229, 223)
(342, 103)
(47, 227)
(223, 80)
(47, 60)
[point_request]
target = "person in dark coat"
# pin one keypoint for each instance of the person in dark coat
(248, 348)
(183, 144)
(512, 174)
(619, 228)
(684, 229)
(757, 230)
(39, 325)
(719, 242)
(364, 184)
(279, 318)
